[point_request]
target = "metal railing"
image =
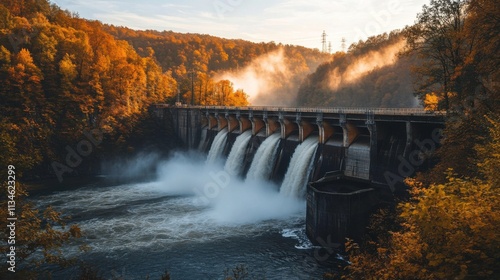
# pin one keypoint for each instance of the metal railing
(334, 110)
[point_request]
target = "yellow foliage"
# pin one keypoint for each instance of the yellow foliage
(460, 222)
(67, 68)
(36, 232)
(449, 230)
(431, 101)
(490, 153)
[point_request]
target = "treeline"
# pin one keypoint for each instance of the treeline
(61, 76)
(369, 74)
(199, 59)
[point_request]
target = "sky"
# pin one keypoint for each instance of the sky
(295, 22)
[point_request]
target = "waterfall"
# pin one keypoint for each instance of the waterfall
(217, 147)
(204, 134)
(297, 175)
(264, 159)
(235, 160)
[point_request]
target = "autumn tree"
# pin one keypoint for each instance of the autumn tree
(24, 110)
(225, 95)
(455, 42)
(5, 18)
(62, 75)
(449, 230)
(488, 153)
(483, 28)
(39, 236)
(204, 86)
(209, 56)
(438, 38)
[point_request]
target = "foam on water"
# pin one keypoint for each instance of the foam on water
(189, 201)
(299, 234)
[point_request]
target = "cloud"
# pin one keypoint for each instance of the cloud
(176, 6)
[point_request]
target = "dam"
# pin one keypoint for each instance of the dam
(345, 162)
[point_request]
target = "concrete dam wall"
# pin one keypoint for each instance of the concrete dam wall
(343, 161)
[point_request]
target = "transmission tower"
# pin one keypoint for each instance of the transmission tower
(343, 44)
(329, 47)
(323, 41)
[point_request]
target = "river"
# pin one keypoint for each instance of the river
(192, 220)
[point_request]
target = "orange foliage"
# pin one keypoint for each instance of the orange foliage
(448, 231)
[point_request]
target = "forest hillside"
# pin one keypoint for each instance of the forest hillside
(63, 75)
(370, 74)
(268, 73)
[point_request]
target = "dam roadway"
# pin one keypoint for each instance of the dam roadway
(361, 159)
(189, 120)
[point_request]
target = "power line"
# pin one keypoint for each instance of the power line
(323, 41)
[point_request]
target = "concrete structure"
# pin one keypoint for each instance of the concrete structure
(374, 148)
(369, 141)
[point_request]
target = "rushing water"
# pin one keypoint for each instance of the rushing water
(264, 159)
(217, 147)
(235, 160)
(296, 177)
(194, 220)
